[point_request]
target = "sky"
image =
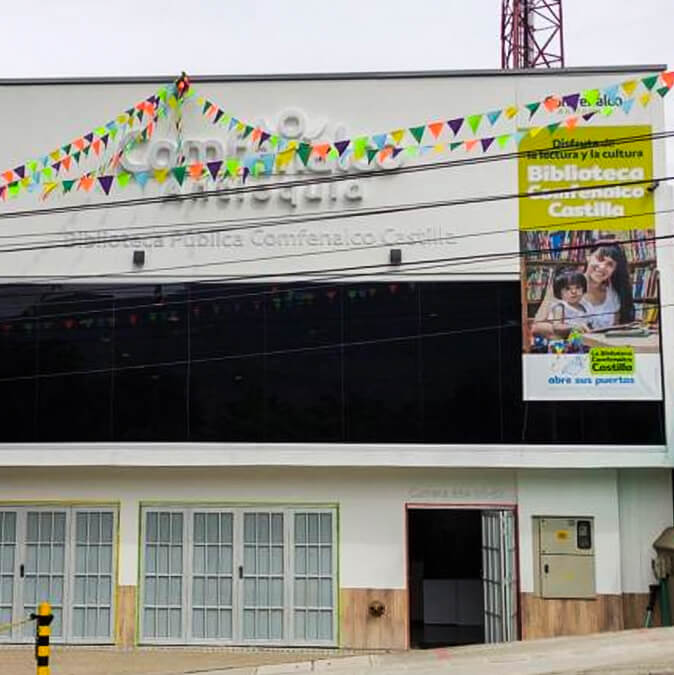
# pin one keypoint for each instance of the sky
(92, 37)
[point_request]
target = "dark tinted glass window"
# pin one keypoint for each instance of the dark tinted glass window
(371, 362)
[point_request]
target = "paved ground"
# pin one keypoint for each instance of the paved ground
(640, 652)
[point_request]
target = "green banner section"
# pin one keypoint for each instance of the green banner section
(611, 360)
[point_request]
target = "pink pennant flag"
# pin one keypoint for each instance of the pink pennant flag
(469, 145)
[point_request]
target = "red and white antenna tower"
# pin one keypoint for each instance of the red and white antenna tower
(531, 34)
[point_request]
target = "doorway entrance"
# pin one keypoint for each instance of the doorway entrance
(462, 576)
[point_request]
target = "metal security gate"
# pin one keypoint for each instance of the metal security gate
(64, 556)
(499, 576)
(239, 576)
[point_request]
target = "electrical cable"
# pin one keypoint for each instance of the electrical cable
(203, 194)
(275, 352)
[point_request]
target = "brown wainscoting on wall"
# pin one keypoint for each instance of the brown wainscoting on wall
(543, 617)
(125, 628)
(634, 610)
(361, 630)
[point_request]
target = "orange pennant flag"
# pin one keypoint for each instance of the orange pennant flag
(551, 103)
(321, 149)
(436, 128)
(668, 78)
(385, 153)
(255, 134)
(86, 183)
(79, 143)
(66, 162)
(96, 146)
(571, 122)
(196, 170)
(470, 144)
(8, 176)
(211, 111)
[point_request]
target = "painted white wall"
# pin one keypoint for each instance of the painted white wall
(572, 493)
(645, 502)
(371, 503)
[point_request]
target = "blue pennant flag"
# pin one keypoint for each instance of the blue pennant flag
(627, 105)
(380, 140)
(493, 116)
(142, 177)
(611, 93)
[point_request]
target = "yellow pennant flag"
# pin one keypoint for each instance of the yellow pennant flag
(439, 147)
(645, 98)
(629, 87)
(534, 131)
(160, 175)
(511, 111)
(48, 189)
(397, 135)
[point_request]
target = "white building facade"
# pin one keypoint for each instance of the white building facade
(268, 430)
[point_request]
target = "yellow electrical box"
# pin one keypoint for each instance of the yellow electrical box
(564, 550)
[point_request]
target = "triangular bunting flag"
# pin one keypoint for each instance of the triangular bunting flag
(205, 107)
(668, 78)
(518, 136)
(67, 185)
(89, 137)
(213, 168)
(649, 82)
(56, 166)
(534, 131)
(611, 92)
(493, 116)
(588, 116)
(341, 146)
(607, 111)
(86, 182)
(48, 189)
(178, 173)
(435, 128)
(511, 111)
(142, 177)
(454, 145)
(455, 125)
(532, 108)
(503, 140)
(553, 127)
(371, 152)
(20, 171)
(123, 178)
(321, 150)
(105, 138)
(486, 142)
(233, 166)
(571, 100)
(8, 176)
(591, 96)
(247, 131)
(645, 99)
(418, 133)
(66, 163)
(663, 91)
(66, 148)
(304, 150)
(627, 105)
(396, 152)
(106, 183)
(196, 170)
(470, 144)
(76, 157)
(571, 122)
(55, 155)
(160, 175)
(551, 103)
(13, 189)
(218, 115)
(96, 146)
(474, 121)
(263, 137)
(380, 140)
(359, 147)
(3, 189)
(629, 87)
(396, 135)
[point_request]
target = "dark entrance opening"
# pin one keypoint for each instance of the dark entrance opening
(446, 602)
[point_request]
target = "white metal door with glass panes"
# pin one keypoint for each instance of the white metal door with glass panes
(64, 556)
(499, 576)
(240, 576)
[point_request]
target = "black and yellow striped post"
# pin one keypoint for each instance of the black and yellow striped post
(43, 618)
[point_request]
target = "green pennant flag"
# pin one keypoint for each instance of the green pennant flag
(663, 91)
(233, 166)
(66, 148)
(591, 96)
(553, 127)
(47, 173)
(359, 146)
(32, 165)
(411, 151)
(418, 133)
(13, 189)
(333, 154)
(502, 140)
(273, 141)
(113, 132)
(76, 157)
(371, 152)
(207, 105)
(607, 110)
(532, 108)
(123, 178)
(304, 150)
(247, 131)
(649, 82)
(101, 131)
(474, 121)
(86, 149)
(67, 186)
(179, 173)
(455, 145)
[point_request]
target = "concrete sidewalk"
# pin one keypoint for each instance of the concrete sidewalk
(637, 652)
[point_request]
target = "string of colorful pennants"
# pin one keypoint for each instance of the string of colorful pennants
(280, 151)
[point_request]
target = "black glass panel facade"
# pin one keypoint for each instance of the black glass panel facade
(370, 362)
